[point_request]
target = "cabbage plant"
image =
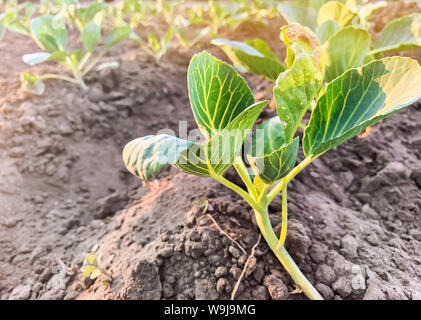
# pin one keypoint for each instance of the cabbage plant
(225, 112)
(51, 35)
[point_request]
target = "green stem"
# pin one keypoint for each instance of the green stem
(283, 256)
(262, 197)
(59, 76)
(238, 190)
(278, 187)
(84, 60)
(93, 63)
(260, 207)
(242, 171)
(76, 73)
(65, 78)
(284, 225)
(302, 125)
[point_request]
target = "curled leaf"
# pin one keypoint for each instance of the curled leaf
(296, 88)
(144, 157)
(32, 84)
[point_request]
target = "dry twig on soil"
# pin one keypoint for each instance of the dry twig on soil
(234, 291)
(226, 234)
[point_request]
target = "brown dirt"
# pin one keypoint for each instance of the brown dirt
(355, 213)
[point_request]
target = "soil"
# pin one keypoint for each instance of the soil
(64, 192)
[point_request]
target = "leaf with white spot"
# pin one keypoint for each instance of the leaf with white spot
(296, 88)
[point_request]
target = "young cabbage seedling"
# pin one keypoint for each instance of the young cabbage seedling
(225, 112)
(155, 47)
(16, 17)
(133, 11)
(229, 14)
(51, 36)
(182, 27)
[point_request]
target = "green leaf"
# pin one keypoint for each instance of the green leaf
(87, 15)
(182, 35)
(345, 50)
(254, 56)
(88, 270)
(219, 153)
(217, 93)
(19, 28)
(58, 56)
(144, 157)
(49, 34)
(335, 11)
(77, 57)
(35, 58)
(95, 274)
(39, 57)
(276, 165)
(270, 157)
(211, 83)
(116, 35)
(326, 30)
(401, 34)
(224, 147)
(154, 43)
(258, 184)
(166, 41)
(91, 35)
(32, 84)
(360, 98)
(294, 13)
(91, 259)
(296, 88)
(269, 136)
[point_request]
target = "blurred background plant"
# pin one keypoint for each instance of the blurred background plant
(78, 34)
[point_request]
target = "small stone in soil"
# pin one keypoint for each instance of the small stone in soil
(325, 291)
(325, 274)
(234, 251)
(276, 287)
(220, 271)
(221, 285)
(21, 292)
(342, 287)
(350, 245)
